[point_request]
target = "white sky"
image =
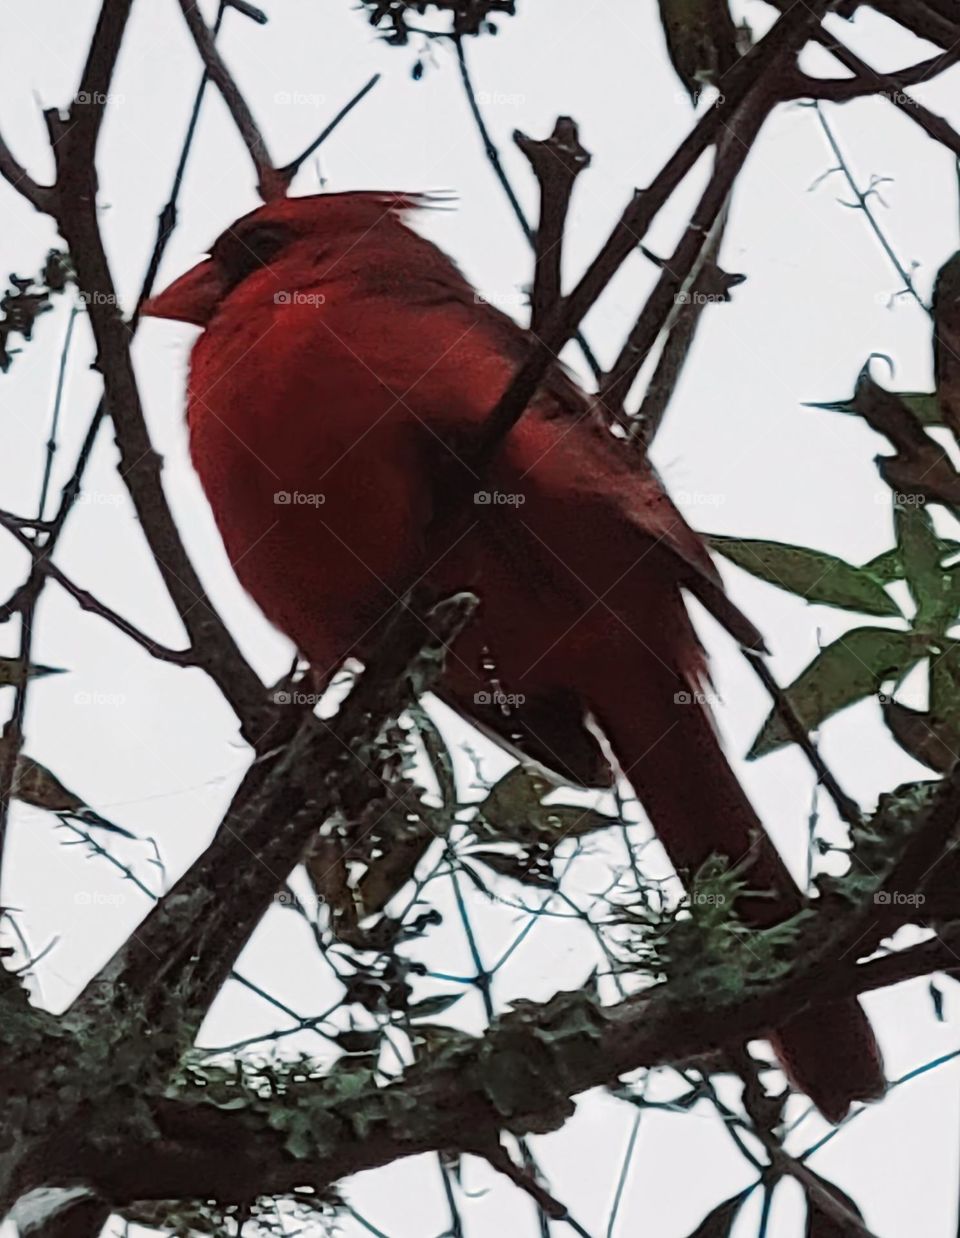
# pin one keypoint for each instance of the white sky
(151, 745)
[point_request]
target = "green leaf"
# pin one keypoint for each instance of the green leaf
(920, 552)
(844, 672)
(924, 405)
(514, 812)
(811, 574)
(886, 567)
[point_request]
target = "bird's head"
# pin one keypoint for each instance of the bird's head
(289, 230)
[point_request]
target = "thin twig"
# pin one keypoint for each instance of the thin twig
(844, 89)
(846, 806)
(678, 275)
(549, 1206)
(933, 125)
(292, 168)
(863, 204)
(709, 281)
(270, 183)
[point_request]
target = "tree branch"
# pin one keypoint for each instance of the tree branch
(519, 1076)
(270, 182)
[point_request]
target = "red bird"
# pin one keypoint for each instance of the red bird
(344, 369)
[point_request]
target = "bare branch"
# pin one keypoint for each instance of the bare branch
(288, 172)
(933, 125)
(556, 163)
(43, 197)
(759, 70)
(270, 183)
(453, 1099)
(679, 272)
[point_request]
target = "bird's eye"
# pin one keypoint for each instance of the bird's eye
(240, 254)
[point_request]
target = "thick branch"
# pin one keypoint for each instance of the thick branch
(556, 163)
(521, 1075)
(843, 89)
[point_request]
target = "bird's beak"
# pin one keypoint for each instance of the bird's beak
(193, 297)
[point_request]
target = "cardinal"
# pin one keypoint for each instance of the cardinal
(345, 368)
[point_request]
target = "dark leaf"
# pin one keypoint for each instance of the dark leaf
(701, 40)
(719, 1223)
(936, 996)
(534, 871)
(826, 1222)
(932, 743)
(434, 1005)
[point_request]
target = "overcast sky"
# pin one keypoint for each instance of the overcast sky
(152, 746)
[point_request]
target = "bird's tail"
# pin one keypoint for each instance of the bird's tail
(667, 747)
